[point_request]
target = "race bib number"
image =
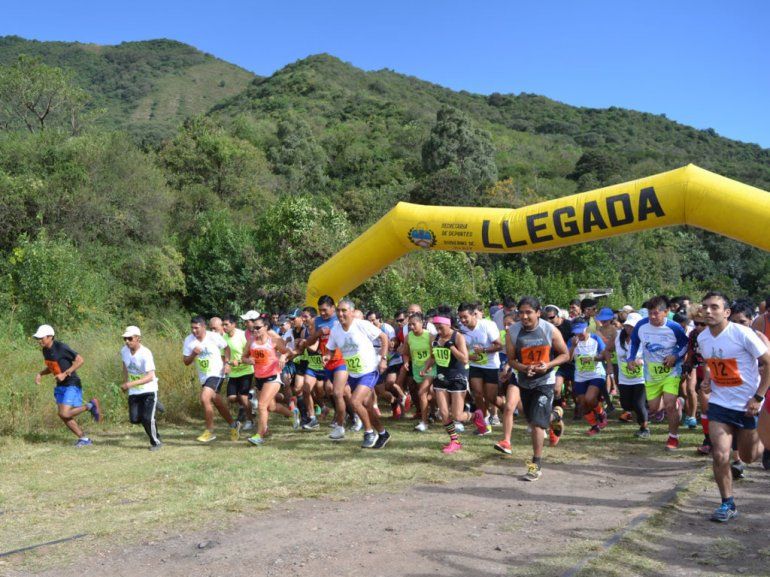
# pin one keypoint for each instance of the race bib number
(535, 355)
(354, 364)
(658, 371)
(586, 364)
(260, 357)
(724, 372)
(631, 373)
(442, 355)
(203, 364)
(315, 362)
(483, 359)
(420, 357)
(614, 358)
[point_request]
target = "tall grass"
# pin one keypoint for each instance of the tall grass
(29, 409)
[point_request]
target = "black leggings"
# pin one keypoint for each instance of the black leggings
(142, 409)
(633, 398)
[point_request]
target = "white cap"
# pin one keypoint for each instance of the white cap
(132, 331)
(632, 319)
(628, 309)
(250, 316)
(43, 331)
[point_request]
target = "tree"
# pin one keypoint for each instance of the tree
(454, 142)
(298, 156)
(36, 96)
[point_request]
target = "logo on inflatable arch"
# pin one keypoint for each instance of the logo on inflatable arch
(422, 236)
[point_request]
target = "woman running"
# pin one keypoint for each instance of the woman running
(450, 356)
(588, 352)
(263, 353)
(416, 354)
(631, 380)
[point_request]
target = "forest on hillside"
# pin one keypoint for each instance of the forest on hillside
(229, 201)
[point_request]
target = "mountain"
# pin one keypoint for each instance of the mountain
(146, 87)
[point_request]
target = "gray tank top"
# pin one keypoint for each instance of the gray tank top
(532, 347)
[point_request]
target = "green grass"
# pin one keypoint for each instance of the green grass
(118, 492)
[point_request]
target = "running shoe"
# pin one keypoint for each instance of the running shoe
(311, 425)
(254, 405)
(452, 447)
(480, 422)
(206, 437)
(370, 440)
(504, 447)
(672, 444)
(459, 427)
(160, 408)
(690, 422)
(494, 421)
(84, 442)
(724, 513)
(156, 447)
(357, 424)
(248, 426)
(95, 410)
(235, 431)
(338, 433)
(533, 472)
(421, 427)
(395, 408)
(317, 411)
(766, 459)
(406, 402)
(738, 470)
(256, 440)
(602, 421)
(595, 430)
(658, 417)
(382, 440)
(295, 420)
(553, 438)
(705, 448)
(557, 421)
(626, 417)
(642, 434)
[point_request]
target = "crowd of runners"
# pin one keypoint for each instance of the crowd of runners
(467, 370)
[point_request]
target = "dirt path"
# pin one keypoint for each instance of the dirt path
(493, 524)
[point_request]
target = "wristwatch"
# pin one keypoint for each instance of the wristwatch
(759, 398)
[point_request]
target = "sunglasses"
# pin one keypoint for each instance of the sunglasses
(128, 339)
(259, 327)
(401, 320)
(551, 318)
(700, 324)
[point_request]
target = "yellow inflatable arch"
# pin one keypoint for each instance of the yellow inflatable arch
(688, 195)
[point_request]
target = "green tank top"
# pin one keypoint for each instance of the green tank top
(419, 348)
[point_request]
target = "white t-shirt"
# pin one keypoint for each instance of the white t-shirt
(138, 365)
(356, 346)
(209, 360)
(731, 358)
(627, 376)
(587, 368)
(485, 333)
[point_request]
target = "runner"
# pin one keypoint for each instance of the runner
(509, 387)
(737, 387)
(589, 355)
(209, 352)
(215, 325)
(416, 353)
(336, 374)
(241, 374)
(689, 378)
(631, 381)
(566, 372)
(663, 345)
(354, 338)
(483, 339)
(140, 382)
(535, 347)
(606, 329)
(262, 353)
(762, 324)
(695, 364)
(386, 385)
(404, 381)
(449, 355)
(312, 370)
(248, 320)
(509, 306)
(574, 309)
(62, 362)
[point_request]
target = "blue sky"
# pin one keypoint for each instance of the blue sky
(706, 63)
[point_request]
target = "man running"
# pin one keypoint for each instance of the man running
(241, 374)
(737, 385)
(534, 348)
(483, 340)
(209, 352)
(141, 384)
(566, 372)
(354, 338)
(664, 344)
(62, 362)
